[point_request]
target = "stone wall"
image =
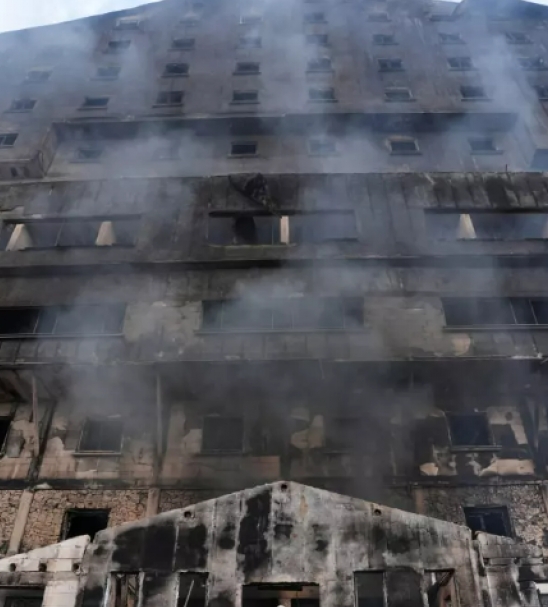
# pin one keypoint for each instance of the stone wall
(9, 503)
(173, 499)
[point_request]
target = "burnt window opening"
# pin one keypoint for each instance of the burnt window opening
(7, 139)
(460, 63)
(22, 105)
(176, 69)
(317, 39)
(323, 94)
(319, 64)
(542, 91)
(320, 146)
(390, 65)
(245, 97)
(495, 312)
(343, 434)
(84, 521)
(384, 39)
(38, 75)
(95, 103)
(482, 145)
(469, 430)
(124, 590)
(243, 148)
(5, 424)
(532, 63)
(271, 595)
(378, 17)
(183, 44)
(118, 46)
(314, 18)
(489, 519)
(404, 146)
(469, 92)
(107, 72)
(170, 98)
(398, 94)
(24, 598)
(89, 154)
(192, 590)
(446, 38)
(250, 42)
(222, 433)
(370, 589)
(247, 67)
(289, 314)
(441, 590)
(101, 435)
(517, 38)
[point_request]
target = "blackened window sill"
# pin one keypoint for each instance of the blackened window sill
(60, 336)
(492, 328)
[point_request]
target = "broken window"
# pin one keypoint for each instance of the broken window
(103, 435)
(398, 94)
(328, 313)
(470, 92)
(343, 434)
(489, 519)
(183, 44)
(170, 98)
(446, 38)
(532, 63)
(84, 521)
(245, 97)
(493, 311)
(441, 588)
(176, 69)
(271, 595)
(324, 94)
(246, 67)
(517, 38)
(369, 587)
(22, 105)
(390, 65)
(320, 146)
(192, 590)
(384, 39)
(243, 148)
(404, 146)
(5, 423)
(38, 75)
(460, 63)
(319, 64)
(124, 590)
(107, 72)
(118, 46)
(249, 42)
(222, 433)
(317, 39)
(314, 18)
(7, 139)
(467, 430)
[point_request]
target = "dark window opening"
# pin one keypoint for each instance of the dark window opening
(222, 433)
(250, 42)
(369, 589)
(118, 46)
(89, 154)
(247, 67)
(493, 312)
(327, 94)
(108, 72)
(321, 147)
(244, 148)
(542, 91)
(532, 63)
(403, 146)
(473, 92)
(271, 595)
(469, 430)
(94, 103)
(245, 97)
(440, 588)
(390, 65)
(384, 39)
(38, 75)
(7, 139)
(460, 63)
(482, 144)
(380, 17)
(183, 44)
(5, 423)
(84, 521)
(320, 64)
(176, 69)
(101, 435)
(509, 226)
(317, 39)
(22, 105)
(343, 434)
(451, 39)
(489, 519)
(314, 18)
(398, 94)
(299, 313)
(124, 590)
(169, 98)
(24, 598)
(517, 38)
(192, 590)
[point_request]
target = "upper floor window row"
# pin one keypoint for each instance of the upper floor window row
(493, 312)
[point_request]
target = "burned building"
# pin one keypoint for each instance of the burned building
(235, 250)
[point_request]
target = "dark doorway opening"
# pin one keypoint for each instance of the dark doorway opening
(284, 595)
(84, 522)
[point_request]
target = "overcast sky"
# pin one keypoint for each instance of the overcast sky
(19, 14)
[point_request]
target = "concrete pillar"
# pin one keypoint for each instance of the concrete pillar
(20, 522)
(153, 502)
(419, 498)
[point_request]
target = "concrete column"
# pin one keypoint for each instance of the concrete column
(20, 522)
(419, 498)
(153, 502)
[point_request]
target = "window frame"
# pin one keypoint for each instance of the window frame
(461, 68)
(325, 94)
(395, 89)
(485, 151)
(253, 100)
(522, 38)
(393, 152)
(190, 44)
(24, 110)
(384, 40)
(97, 75)
(96, 157)
(384, 66)
(251, 72)
(116, 47)
(450, 38)
(178, 74)
(469, 87)
(168, 104)
(45, 75)
(83, 512)
(3, 136)
(223, 451)
(98, 452)
(504, 510)
(95, 107)
(233, 154)
(456, 446)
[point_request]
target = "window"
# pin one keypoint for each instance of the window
(320, 146)
(192, 590)
(245, 97)
(489, 519)
(517, 38)
(101, 435)
(317, 39)
(5, 423)
(38, 75)
(128, 23)
(398, 94)
(25, 600)
(404, 146)
(469, 92)
(183, 44)
(441, 590)
(222, 433)
(7, 139)
(482, 145)
(460, 63)
(170, 98)
(250, 19)
(250, 42)
(390, 65)
(450, 38)
(495, 312)
(369, 589)
(267, 594)
(469, 430)
(323, 94)
(532, 63)
(243, 148)
(384, 39)
(539, 162)
(124, 590)
(379, 17)
(319, 64)
(542, 91)
(95, 103)
(246, 67)
(176, 69)
(84, 521)
(118, 46)
(22, 105)
(62, 320)
(314, 18)
(107, 72)
(343, 434)
(288, 314)
(88, 154)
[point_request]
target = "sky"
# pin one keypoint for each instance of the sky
(20, 14)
